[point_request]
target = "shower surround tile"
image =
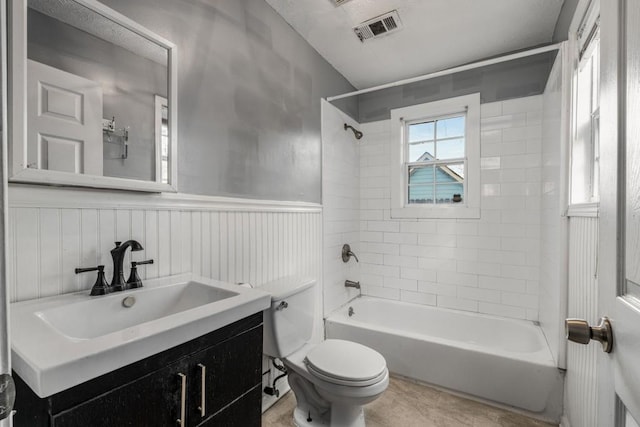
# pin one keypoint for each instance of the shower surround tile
(489, 265)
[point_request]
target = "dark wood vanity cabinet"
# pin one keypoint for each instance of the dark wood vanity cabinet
(221, 369)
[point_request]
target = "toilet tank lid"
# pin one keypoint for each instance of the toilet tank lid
(286, 286)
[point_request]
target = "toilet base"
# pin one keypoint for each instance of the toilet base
(301, 419)
(310, 405)
(339, 416)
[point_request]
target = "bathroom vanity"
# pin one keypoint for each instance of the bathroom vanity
(186, 352)
(211, 380)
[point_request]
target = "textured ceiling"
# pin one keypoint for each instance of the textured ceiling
(437, 34)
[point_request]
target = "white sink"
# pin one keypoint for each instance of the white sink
(63, 341)
(100, 316)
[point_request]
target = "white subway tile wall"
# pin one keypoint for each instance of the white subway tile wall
(341, 205)
(490, 265)
(553, 225)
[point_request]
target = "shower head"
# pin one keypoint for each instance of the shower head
(356, 132)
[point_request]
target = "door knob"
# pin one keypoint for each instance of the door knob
(578, 330)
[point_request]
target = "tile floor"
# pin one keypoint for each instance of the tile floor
(407, 404)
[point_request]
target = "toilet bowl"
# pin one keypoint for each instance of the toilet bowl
(331, 380)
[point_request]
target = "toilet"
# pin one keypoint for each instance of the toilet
(331, 380)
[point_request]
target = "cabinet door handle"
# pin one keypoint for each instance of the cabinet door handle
(183, 399)
(203, 389)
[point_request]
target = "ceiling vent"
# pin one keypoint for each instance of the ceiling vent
(378, 26)
(339, 2)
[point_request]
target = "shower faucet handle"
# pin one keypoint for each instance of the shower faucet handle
(348, 253)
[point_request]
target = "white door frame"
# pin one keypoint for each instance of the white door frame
(5, 343)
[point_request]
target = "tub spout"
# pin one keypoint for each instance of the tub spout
(351, 284)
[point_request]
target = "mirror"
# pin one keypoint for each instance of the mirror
(93, 98)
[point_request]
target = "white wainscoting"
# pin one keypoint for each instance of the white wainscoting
(52, 231)
(581, 382)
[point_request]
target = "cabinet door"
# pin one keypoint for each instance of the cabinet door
(153, 400)
(244, 412)
(230, 369)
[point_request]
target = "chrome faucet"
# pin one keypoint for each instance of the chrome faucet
(117, 282)
(351, 284)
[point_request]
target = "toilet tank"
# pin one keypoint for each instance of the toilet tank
(288, 322)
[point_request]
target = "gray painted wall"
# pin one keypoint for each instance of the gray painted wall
(499, 82)
(249, 90)
(561, 32)
(129, 83)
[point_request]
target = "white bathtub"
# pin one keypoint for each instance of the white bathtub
(502, 360)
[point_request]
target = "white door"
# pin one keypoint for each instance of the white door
(619, 276)
(64, 121)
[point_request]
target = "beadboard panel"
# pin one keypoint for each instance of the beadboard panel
(236, 245)
(581, 381)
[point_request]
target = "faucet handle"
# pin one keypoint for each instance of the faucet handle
(134, 280)
(100, 287)
(86, 269)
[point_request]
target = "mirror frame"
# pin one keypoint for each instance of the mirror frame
(17, 108)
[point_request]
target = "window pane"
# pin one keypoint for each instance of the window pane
(450, 149)
(458, 169)
(421, 131)
(449, 183)
(450, 128)
(595, 91)
(419, 152)
(449, 193)
(420, 194)
(583, 152)
(420, 184)
(421, 175)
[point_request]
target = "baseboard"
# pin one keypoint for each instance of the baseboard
(564, 421)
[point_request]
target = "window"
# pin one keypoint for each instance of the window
(585, 150)
(436, 161)
(162, 139)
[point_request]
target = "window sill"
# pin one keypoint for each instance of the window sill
(446, 212)
(591, 210)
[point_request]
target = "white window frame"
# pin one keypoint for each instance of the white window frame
(400, 119)
(588, 173)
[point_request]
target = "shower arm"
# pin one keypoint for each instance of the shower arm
(356, 132)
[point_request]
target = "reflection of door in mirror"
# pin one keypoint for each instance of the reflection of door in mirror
(64, 116)
(130, 68)
(162, 139)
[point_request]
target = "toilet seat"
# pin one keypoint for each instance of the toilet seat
(346, 363)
